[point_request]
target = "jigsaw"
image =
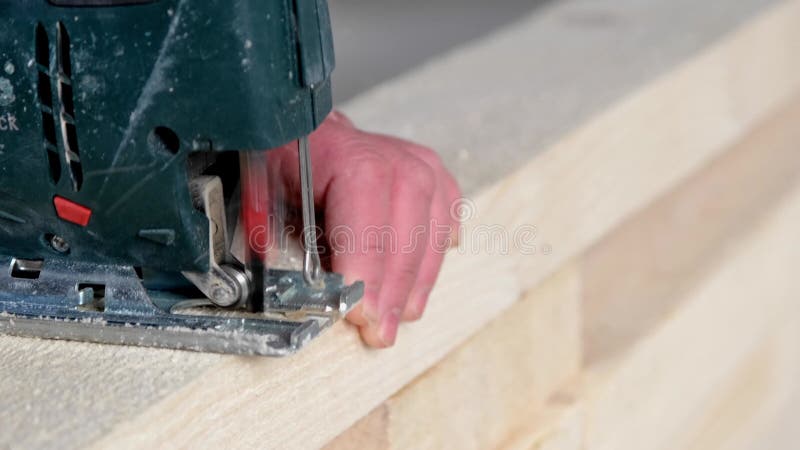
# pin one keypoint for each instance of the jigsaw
(134, 180)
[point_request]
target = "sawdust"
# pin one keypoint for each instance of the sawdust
(68, 393)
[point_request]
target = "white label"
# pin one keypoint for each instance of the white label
(8, 123)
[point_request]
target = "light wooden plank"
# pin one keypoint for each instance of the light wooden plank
(718, 370)
(755, 410)
(649, 395)
(559, 425)
(751, 409)
(657, 369)
(669, 246)
(487, 387)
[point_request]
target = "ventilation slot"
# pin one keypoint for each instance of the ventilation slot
(26, 269)
(92, 297)
(45, 91)
(69, 133)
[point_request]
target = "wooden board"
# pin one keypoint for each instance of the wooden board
(752, 409)
(667, 381)
(714, 373)
(664, 251)
(639, 138)
(503, 374)
(671, 244)
(702, 352)
(714, 309)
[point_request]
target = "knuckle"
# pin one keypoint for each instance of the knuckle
(373, 246)
(418, 175)
(406, 273)
(431, 157)
(369, 168)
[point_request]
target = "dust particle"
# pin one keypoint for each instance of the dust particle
(6, 92)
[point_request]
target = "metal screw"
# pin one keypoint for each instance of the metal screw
(59, 244)
(222, 295)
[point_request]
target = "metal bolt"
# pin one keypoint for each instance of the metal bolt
(222, 295)
(59, 244)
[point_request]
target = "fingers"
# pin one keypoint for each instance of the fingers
(435, 248)
(447, 184)
(413, 193)
(386, 203)
(354, 217)
(444, 233)
(353, 186)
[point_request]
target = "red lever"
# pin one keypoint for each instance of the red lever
(72, 212)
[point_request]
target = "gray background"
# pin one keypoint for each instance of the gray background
(379, 39)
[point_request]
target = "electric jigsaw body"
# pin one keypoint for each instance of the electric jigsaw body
(131, 183)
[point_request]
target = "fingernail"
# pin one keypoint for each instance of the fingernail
(389, 325)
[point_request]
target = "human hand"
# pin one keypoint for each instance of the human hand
(386, 205)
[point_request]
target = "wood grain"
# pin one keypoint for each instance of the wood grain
(654, 363)
(489, 385)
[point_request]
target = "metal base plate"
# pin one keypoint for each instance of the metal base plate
(54, 305)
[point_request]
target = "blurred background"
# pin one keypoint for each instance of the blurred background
(380, 39)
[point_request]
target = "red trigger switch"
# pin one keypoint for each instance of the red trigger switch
(72, 212)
